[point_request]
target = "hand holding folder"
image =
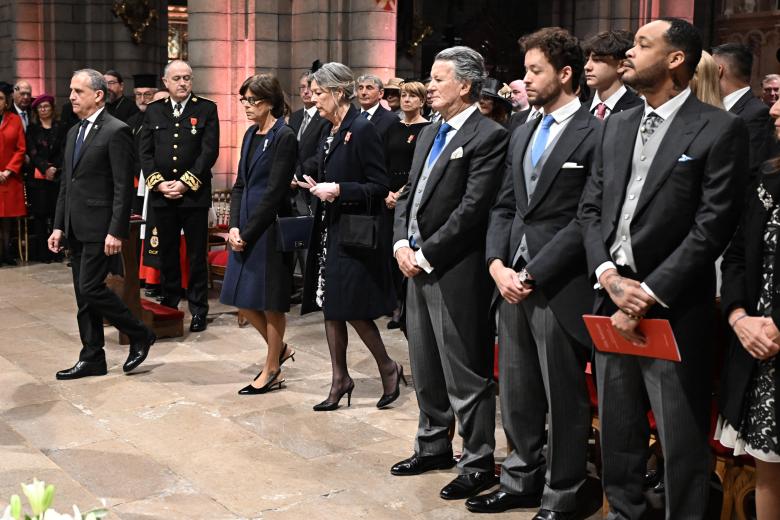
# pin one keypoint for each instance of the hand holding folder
(659, 338)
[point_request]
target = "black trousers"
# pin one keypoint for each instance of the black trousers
(96, 301)
(194, 221)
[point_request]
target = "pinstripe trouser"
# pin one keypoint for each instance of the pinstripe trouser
(451, 367)
(542, 369)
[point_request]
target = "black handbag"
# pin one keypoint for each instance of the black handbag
(360, 231)
(293, 233)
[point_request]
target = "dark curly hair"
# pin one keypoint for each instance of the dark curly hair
(560, 48)
(683, 36)
(266, 88)
(613, 43)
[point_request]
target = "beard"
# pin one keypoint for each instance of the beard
(644, 79)
(545, 96)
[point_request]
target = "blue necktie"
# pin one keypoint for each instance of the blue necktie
(438, 143)
(541, 139)
(365, 114)
(80, 140)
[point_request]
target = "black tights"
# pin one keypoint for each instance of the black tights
(336, 334)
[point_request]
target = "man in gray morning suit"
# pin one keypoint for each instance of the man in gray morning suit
(440, 228)
(660, 207)
(93, 212)
(542, 342)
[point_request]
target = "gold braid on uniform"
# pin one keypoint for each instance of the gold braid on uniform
(191, 181)
(153, 180)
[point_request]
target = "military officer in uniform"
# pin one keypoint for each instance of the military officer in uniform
(178, 146)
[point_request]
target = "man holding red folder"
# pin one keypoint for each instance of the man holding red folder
(660, 207)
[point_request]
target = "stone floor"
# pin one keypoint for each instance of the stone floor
(174, 440)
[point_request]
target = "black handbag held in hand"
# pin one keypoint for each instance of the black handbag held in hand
(360, 231)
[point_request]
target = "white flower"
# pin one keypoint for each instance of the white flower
(51, 514)
(39, 495)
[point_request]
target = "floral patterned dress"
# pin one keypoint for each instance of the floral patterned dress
(756, 435)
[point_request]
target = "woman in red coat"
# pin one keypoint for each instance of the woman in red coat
(12, 148)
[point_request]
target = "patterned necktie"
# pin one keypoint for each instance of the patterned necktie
(541, 139)
(438, 143)
(177, 111)
(305, 123)
(80, 140)
(601, 111)
(649, 125)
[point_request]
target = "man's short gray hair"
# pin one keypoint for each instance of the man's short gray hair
(335, 76)
(468, 65)
(770, 77)
(175, 62)
(96, 80)
(373, 79)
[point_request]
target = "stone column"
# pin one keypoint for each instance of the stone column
(44, 42)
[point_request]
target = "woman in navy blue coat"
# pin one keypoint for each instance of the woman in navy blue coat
(259, 277)
(350, 284)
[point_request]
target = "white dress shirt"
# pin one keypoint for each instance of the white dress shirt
(456, 122)
(182, 103)
(561, 117)
(91, 121)
(665, 112)
(730, 100)
(371, 111)
(610, 102)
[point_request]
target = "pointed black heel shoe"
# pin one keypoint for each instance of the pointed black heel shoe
(329, 406)
(270, 386)
(388, 399)
(282, 359)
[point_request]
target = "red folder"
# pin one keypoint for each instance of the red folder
(659, 338)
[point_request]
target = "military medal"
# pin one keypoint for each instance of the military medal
(193, 122)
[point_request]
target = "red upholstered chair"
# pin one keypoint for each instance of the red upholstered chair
(217, 260)
(165, 321)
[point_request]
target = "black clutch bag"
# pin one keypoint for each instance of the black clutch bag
(293, 233)
(360, 231)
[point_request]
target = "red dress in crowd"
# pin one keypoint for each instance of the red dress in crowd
(12, 148)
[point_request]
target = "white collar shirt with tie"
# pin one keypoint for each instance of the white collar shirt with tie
(562, 116)
(308, 114)
(610, 102)
(23, 115)
(371, 111)
(91, 121)
(180, 103)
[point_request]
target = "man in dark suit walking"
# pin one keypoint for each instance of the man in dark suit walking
(369, 92)
(536, 258)
(93, 212)
(660, 207)
(605, 53)
(179, 144)
(439, 242)
(735, 62)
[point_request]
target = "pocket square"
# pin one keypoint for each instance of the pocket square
(571, 165)
(457, 154)
(684, 158)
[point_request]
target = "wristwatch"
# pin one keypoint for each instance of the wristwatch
(525, 278)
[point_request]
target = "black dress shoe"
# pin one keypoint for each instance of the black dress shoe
(329, 406)
(388, 399)
(273, 383)
(546, 514)
(499, 501)
(138, 353)
(416, 464)
(198, 323)
(468, 484)
(84, 369)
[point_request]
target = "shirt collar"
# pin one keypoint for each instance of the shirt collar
(371, 111)
(611, 101)
(731, 100)
(671, 107)
(563, 113)
(94, 116)
(19, 109)
(182, 103)
(457, 120)
(311, 111)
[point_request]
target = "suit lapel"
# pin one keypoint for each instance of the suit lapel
(313, 124)
(460, 139)
(741, 102)
(684, 127)
(570, 139)
(421, 151)
(522, 141)
(343, 131)
(620, 154)
(93, 132)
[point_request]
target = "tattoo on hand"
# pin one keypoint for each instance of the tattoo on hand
(616, 286)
